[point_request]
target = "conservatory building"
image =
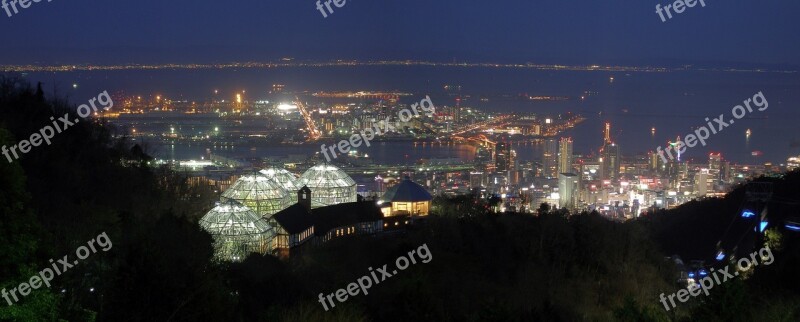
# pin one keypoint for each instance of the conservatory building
(286, 179)
(331, 186)
(259, 193)
(237, 231)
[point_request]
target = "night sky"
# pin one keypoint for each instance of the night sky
(554, 31)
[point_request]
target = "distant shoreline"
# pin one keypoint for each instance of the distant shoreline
(353, 63)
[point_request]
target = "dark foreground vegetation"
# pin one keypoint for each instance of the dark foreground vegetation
(485, 267)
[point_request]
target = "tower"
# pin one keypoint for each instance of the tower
(568, 190)
(502, 157)
(457, 111)
(715, 165)
(550, 158)
(304, 197)
(565, 155)
(611, 161)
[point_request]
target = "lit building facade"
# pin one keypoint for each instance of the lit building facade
(568, 190)
(406, 198)
(565, 155)
(611, 162)
(550, 158)
(502, 157)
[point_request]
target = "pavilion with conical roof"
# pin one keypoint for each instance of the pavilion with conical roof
(406, 198)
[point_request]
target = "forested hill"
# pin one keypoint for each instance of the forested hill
(692, 230)
(57, 197)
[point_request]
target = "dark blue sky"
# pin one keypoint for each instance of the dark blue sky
(549, 31)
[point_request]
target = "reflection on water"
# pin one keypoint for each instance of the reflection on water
(674, 103)
(403, 152)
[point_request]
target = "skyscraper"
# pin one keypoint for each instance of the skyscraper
(701, 182)
(611, 162)
(568, 193)
(565, 155)
(476, 179)
(714, 170)
(457, 111)
(550, 158)
(715, 166)
(502, 157)
(655, 163)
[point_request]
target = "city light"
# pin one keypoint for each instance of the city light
(792, 227)
(521, 158)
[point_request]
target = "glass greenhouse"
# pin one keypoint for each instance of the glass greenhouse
(260, 193)
(286, 179)
(237, 231)
(329, 185)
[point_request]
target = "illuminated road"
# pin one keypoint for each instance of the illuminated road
(313, 132)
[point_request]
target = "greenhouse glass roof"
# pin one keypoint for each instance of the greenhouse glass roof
(262, 194)
(286, 179)
(231, 218)
(325, 176)
(329, 186)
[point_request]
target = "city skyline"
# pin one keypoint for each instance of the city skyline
(307, 160)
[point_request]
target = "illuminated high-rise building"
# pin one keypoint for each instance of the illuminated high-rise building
(656, 164)
(565, 155)
(701, 182)
(550, 158)
(715, 166)
(715, 170)
(457, 111)
(611, 162)
(725, 172)
(607, 134)
(476, 179)
(502, 157)
(568, 185)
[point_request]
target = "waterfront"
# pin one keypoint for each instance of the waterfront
(635, 102)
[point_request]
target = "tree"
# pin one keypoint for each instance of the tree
(19, 242)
